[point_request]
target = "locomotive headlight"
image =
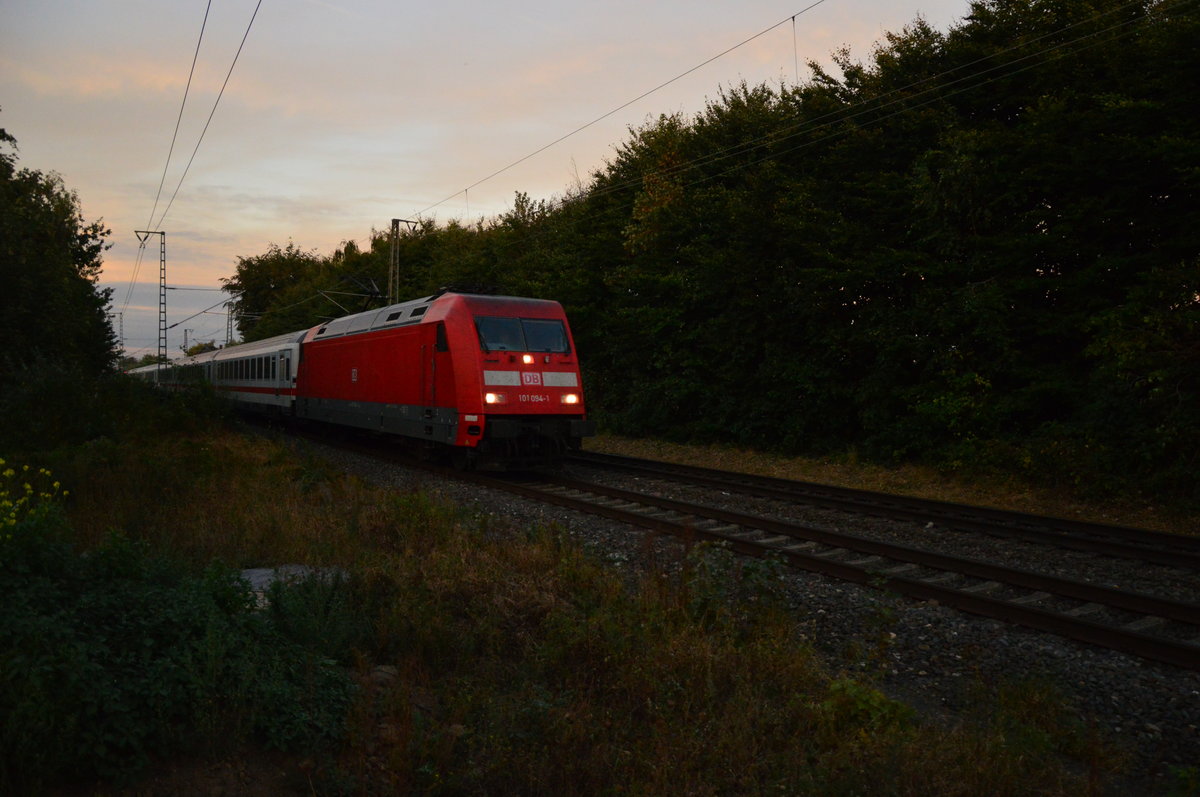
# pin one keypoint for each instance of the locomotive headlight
(494, 398)
(570, 398)
(527, 359)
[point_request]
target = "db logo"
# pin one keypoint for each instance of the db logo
(531, 378)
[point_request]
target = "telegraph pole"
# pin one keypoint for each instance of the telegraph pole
(120, 328)
(394, 272)
(143, 235)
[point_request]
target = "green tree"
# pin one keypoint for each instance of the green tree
(50, 261)
(201, 347)
(260, 281)
(973, 246)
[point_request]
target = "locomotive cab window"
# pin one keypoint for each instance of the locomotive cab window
(500, 334)
(521, 334)
(548, 335)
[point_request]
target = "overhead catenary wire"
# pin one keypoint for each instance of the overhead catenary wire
(894, 97)
(856, 111)
(888, 99)
(940, 96)
(156, 225)
(179, 119)
(808, 123)
(902, 95)
(206, 310)
(211, 113)
(623, 106)
(137, 266)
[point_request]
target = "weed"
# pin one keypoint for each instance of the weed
(858, 705)
(719, 585)
(1185, 781)
(324, 613)
(1036, 723)
(24, 495)
(118, 655)
(508, 660)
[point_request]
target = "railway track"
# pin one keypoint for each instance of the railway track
(1142, 625)
(1171, 550)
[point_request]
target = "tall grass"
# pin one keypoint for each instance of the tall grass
(485, 658)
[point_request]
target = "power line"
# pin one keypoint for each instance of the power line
(622, 107)
(220, 94)
(137, 266)
(182, 105)
(891, 98)
(839, 114)
(935, 93)
(206, 309)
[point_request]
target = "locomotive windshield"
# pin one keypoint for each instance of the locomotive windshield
(521, 334)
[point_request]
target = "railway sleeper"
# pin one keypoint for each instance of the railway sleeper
(1033, 597)
(1084, 610)
(831, 553)
(866, 560)
(802, 546)
(982, 588)
(906, 567)
(1145, 623)
(943, 578)
(660, 514)
(773, 541)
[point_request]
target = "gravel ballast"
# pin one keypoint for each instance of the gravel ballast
(929, 656)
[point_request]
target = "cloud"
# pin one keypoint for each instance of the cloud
(340, 116)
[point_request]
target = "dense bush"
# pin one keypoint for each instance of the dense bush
(114, 656)
(487, 659)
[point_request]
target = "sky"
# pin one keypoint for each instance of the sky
(340, 115)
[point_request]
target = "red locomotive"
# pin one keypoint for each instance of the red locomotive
(488, 378)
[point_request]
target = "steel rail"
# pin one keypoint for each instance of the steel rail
(1133, 642)
(1140, 603)
(1171, 550)
(1169, 651)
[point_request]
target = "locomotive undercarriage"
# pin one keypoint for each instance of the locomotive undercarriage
(530, 442)
(508, 442)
